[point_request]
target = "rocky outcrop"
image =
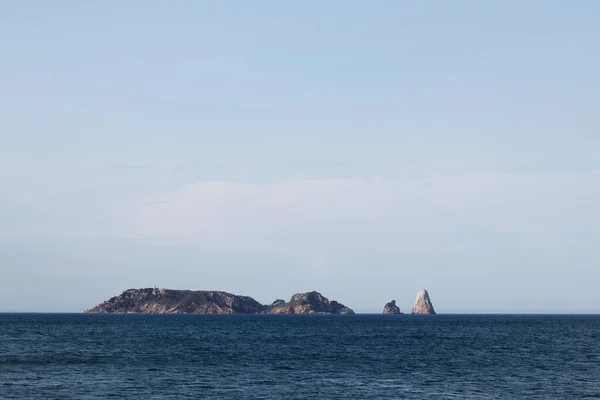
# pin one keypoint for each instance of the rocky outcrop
(423, 304)
(277, 303)
(309, 303)
(391, 308)
(165, 301)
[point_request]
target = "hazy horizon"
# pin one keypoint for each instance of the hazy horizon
(363, 150)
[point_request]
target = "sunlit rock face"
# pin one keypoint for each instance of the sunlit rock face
(423, 304)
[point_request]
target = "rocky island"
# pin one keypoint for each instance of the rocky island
(168, 301)
(309, 303)
(423, 304)
(391, 308)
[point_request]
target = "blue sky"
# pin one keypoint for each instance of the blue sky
(362, 149)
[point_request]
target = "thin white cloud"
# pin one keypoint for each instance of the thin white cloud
(304, 214)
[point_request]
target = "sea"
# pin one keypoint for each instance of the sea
(80, 356)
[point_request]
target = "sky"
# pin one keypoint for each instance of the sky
(365, 150)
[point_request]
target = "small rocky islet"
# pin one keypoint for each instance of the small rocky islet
(423, 304)
(170, 301)
(308, 303)
(391, 308)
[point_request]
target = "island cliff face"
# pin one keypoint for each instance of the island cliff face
(391, 308)
(423, 304)
(166, 301)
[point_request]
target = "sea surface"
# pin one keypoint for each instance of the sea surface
(69, 356)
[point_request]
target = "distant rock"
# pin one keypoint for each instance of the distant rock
(423, 304)
(166, 301)
(309, 303)
(391, 308)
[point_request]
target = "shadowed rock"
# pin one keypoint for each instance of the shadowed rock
(391, 308)
(423, 304)
(277, 303)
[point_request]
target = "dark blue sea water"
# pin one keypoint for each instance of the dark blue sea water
(71, 356)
